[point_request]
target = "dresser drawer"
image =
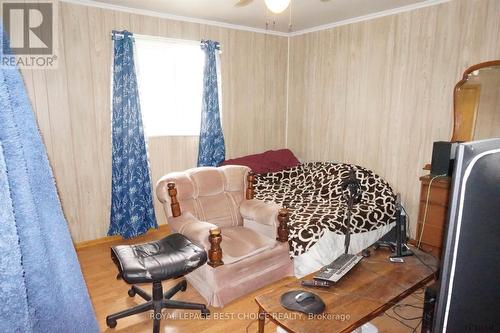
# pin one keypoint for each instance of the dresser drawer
(438, 196)
(433, 235)
(436, 214)
(437, 211)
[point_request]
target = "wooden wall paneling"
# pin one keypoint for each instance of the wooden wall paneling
(256, 69)
(47, 90)
(296, 59)
(235, 91)
(100, 55)
(145, 25)
(490, 45)
(380, 91)
(80, 83)
(190, 31)
(62, 155)
(122, 20)
(275, 70)
(374, 90)
(172, 29)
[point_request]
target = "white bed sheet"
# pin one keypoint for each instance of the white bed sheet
(331, 245)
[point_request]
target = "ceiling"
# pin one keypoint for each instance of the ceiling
(306, 14)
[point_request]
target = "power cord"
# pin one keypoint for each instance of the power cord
(400, 321)
(253, 321)
(427, 207)
(416, 327)
(413, 329)
(424, 263)
(397, 306)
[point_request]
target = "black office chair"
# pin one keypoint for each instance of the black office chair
(168, 258)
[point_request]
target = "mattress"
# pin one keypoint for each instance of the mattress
(316, 199)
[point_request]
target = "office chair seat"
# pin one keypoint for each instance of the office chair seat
(167, 258)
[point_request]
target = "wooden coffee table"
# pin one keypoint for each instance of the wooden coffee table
(370, 288)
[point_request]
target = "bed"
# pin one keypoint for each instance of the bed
(314, 196)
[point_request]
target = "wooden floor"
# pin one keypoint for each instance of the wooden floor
(110, 295)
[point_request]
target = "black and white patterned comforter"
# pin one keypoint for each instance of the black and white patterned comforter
(313, 194)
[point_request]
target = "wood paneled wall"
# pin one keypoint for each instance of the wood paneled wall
(72, 105)
(378, 93)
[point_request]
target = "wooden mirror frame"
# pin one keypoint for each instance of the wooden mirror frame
(463, 126)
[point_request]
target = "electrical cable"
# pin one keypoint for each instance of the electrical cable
(253, 321)
(423, 262)
(416, 327)
(397, 306)
(400, 321)
(427, 207)
(249, 324)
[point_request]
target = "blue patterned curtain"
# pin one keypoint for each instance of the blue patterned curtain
(132, 210)
(211, 148)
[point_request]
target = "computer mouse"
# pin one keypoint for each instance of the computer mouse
(302, 301)
(304, 296)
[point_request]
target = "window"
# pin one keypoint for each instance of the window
(170, 79)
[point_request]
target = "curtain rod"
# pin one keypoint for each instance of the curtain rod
(165, 39)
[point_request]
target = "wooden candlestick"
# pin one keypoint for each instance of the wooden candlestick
(215, 252)
(250, 180)
(282, 232)
(174, 203)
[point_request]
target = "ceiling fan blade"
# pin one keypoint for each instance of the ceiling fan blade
(242, 3)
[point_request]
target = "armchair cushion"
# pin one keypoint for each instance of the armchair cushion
(239, 243)
(259, 211)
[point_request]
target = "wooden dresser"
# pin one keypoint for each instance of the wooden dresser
(437, 209)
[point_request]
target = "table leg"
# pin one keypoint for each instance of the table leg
(262, 319)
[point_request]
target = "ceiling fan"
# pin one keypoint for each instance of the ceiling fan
(275, 6)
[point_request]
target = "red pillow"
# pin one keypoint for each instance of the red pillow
(269, 161)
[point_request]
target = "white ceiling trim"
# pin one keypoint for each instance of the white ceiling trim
(174, 17)
(372, 16)
(145, 12)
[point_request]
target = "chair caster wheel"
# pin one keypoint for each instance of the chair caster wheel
(205, 313)
(111, 323)
(184, 285)
(131, 292)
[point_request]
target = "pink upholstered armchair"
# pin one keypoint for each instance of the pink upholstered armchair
(245, 238)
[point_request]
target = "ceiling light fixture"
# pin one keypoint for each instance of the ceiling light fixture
(277, 6)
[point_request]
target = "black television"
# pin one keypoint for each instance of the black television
(469, 292)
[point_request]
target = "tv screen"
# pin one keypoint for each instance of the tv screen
(469, 295)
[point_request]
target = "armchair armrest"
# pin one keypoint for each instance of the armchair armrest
(194, 229)
(268, 218)
(260, 212)
(203, 233)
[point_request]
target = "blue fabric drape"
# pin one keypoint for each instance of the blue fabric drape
(41, 285)
(211, 147)
(132, 212)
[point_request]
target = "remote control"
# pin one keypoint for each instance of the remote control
(315, 283)
(397, 260)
